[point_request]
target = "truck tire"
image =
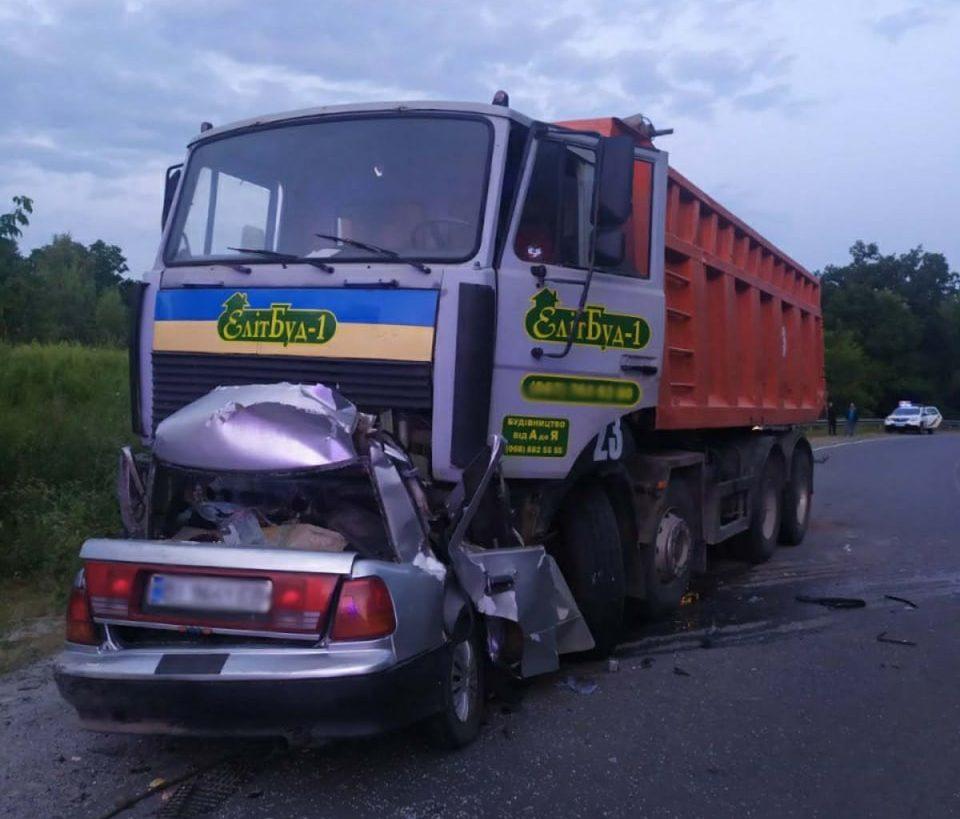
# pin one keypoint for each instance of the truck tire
(797, 499)
(464, 696)
(590, 557)
(668, 560)
(758, 543)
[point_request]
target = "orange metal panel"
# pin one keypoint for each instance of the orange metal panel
(744, 335)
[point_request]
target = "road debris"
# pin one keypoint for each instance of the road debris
(580, 685)
(754, 599)
(882, 638)
(847, 548)
(833, 602)
(680, 672)
(613, 665)
(646, 662)
(903, 600)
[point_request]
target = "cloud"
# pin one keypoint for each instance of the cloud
(100, 97)
(895, 25)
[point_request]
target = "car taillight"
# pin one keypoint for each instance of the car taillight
(364, 611)
(299, 601)
(110, 586)
(80, 627)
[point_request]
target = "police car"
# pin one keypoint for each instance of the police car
(908, 417)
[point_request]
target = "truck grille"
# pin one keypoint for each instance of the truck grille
(179, 378)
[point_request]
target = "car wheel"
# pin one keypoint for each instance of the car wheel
(758, 543)
(458, 723)
(667, 561)
(591, 559)
(797, 500)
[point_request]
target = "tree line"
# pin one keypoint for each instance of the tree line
(892, 330)
(63, 291)
(892, 322)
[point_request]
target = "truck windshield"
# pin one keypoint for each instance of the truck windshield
(412, 185)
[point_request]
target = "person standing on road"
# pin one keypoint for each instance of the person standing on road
(831, 419)
(852, 416)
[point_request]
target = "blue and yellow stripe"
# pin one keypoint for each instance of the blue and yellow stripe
(391, 325)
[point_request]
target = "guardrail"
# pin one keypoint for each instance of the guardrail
(868, 425)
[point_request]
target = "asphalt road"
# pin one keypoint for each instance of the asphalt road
(749, 704)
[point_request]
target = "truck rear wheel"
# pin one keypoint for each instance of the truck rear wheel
(797, 499)
(758, 543)
(668, 560)
(591, 558)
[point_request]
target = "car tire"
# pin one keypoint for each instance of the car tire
(667, 562)
(590, 557)
(797, 499)
(758, 543)
(464, 696)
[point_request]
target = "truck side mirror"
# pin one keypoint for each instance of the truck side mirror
(169, 191)
(615, 185)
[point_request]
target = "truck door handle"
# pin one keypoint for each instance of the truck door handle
(643, 369)
(638, 364)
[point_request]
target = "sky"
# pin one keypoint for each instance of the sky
(817, 122)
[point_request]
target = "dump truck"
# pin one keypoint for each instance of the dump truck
(423, 386)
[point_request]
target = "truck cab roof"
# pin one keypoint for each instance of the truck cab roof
(420, 106)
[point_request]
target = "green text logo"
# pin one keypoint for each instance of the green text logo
(547, 320)
(278, 323)
(535, 437)
(564, 389)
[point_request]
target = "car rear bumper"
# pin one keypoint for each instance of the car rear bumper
(109, 697)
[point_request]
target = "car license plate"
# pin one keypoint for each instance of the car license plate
(192, 593)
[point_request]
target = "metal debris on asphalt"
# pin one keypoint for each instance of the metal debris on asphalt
(882, 638)
(578, 685)
(903, 600)
(833, 602)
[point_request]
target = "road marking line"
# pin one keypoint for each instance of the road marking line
(862, 441)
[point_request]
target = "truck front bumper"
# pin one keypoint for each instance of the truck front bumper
(274, 692)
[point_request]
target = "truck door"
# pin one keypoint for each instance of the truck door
(550, 406)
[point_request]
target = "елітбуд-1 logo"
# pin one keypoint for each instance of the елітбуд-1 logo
(278, 323)
(546, 320)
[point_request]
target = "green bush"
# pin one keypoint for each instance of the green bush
(64, 411)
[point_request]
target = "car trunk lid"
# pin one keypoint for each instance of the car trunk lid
(202, 588)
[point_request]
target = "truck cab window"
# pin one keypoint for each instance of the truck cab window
(555, 226)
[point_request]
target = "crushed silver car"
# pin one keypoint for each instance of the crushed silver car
(286, 573)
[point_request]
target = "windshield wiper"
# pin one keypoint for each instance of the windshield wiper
(285, 258)
(391, 254)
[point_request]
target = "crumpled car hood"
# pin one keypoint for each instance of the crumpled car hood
(261, 427)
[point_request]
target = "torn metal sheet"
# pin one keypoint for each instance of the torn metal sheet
(524, 585)
(406, 531)
(261, 427)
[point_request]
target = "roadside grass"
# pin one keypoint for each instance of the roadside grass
(64, 411)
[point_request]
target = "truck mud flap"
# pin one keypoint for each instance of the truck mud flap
(524, 585)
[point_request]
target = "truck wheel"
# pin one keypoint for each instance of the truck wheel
(591, 560)
(458, 723)
(759, 542)
(668, 560)
(797, 499)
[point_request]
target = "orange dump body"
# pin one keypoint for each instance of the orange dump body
(744, 332)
